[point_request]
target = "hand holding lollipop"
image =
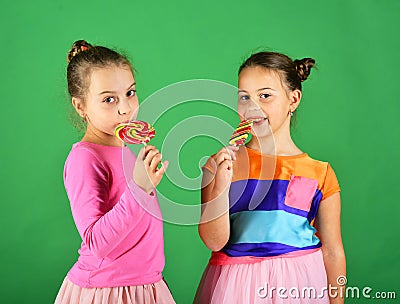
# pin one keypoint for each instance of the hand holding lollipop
(146, 173)
(224, 157)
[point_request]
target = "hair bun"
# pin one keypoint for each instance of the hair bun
(77, 47)
(303, 67)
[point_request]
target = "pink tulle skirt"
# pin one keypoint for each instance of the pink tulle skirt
(157, 293)
(297, 279)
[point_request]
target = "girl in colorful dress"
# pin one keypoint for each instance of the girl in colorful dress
(270, 212)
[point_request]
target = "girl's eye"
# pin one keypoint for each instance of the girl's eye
(131, 93)
(109, 99)
(264, 96)
(244, 98)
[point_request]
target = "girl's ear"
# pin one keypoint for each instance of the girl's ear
(79, 106)
(295, 97)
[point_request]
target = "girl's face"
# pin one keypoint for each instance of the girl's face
(263, 98)
(111, 100)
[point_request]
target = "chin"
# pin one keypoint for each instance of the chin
(260, 132)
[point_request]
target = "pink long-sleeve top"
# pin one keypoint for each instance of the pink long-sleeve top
(120, 224)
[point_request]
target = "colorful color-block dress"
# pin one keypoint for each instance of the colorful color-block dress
(273, 254)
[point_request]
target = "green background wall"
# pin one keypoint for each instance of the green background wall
(349, 117)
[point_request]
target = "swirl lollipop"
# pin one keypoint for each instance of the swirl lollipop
(135, 132)
(241, 133)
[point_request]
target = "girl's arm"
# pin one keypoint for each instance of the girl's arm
(214, 227)
(328, 226)
(101, 228)
(214, 223)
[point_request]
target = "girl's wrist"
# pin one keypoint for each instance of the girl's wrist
(147, 189)
(221, 190)
(219, 193)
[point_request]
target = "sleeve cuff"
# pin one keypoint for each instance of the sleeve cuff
(148, 202)
(330, 193)
(139, 194)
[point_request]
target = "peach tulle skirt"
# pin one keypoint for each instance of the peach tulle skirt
(157, 293)
(300, 279)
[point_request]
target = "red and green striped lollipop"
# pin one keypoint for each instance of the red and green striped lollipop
(135, 132)
(241, 133)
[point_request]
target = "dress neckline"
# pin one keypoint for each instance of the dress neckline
(301, 155)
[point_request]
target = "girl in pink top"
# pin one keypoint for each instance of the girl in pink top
(112, 193)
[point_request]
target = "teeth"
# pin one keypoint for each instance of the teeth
(258, 119)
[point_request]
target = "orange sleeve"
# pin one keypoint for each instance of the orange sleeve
(331, 184)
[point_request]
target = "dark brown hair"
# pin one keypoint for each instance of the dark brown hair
(82, 59)
(293, 73)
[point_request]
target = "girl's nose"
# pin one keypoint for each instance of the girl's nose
(124, 108)
(252, 105)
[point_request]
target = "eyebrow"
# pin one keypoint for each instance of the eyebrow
(108, 92)
(244, 91)
(265, 89)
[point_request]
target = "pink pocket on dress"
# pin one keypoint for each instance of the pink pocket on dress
(300, 192)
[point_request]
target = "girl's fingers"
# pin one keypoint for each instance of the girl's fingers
(226, 153)
(145, 150)
(225, 165)
(222, 156)
(164, 167)
(150, 155)
(154, 162)
(232, 151)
